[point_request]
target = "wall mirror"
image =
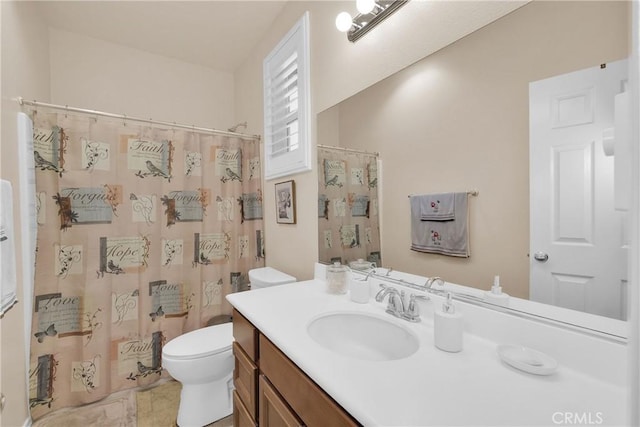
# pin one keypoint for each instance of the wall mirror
(458, 120)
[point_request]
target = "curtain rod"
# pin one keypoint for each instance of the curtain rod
(328, 147)
(469, 192)
(34, 103)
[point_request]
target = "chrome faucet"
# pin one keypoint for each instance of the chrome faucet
(396, 305)
(384, 291)
(412, 313)
(371, 273)
(431, 280)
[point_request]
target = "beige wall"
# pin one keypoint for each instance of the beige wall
(289, 248)
(340, 69)
(458, 120)
(98, 75)
(65, 68)
(25, 72)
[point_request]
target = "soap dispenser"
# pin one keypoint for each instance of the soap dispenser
(495, 295)
(448, 327)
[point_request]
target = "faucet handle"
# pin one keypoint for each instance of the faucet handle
(412, 313)
(396, 303)
(381, 293)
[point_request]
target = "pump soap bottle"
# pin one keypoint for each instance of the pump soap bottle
(448, 327)
(495, 295)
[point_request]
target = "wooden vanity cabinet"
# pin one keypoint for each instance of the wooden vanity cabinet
(241, 416)
(304, 396)
(271, 391)
(245, 372)
(274, 411)
(245, 377)
(246, 335)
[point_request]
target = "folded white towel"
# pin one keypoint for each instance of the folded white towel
(441, 237)
(437, 207)
(8, 282)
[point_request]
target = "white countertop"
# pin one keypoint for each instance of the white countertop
(430, 387)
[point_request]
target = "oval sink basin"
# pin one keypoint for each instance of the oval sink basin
(363, 336)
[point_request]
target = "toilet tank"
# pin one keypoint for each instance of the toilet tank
(266, 276)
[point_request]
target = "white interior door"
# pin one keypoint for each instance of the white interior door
(577, 238)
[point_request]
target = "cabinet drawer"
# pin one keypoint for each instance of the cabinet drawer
(245, 375)
(241, 417)
(305, 397)
(274, 412)
(246, 335)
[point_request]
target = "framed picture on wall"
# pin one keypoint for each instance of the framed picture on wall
(286, 202)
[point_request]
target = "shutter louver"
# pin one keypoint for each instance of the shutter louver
(286, 107)
(282, 108)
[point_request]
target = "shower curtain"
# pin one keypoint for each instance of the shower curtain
(142, 231)
(348, 217)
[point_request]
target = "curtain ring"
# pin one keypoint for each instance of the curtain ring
(66, 110)
(124, 118)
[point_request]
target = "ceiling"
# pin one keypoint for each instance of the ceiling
(214, 34)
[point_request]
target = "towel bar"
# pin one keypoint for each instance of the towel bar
(470, 192)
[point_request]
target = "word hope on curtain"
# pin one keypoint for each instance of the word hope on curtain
(141, 234)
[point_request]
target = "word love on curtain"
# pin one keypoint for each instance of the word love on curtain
(141, 234)
(348, 214)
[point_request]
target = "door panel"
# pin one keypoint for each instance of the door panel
(577, 254)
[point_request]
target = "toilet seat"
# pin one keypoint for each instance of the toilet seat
(200, 343)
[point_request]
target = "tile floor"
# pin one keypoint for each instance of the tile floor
(116, 410)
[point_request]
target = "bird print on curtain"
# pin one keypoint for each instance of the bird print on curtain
(142, 232)
(348, 219)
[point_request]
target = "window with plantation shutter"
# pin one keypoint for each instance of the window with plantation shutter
(286, 104)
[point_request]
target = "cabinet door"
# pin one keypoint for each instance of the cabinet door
(274, 412)
(306, 398)
(245, 376)
(246, 335)
(241, 417)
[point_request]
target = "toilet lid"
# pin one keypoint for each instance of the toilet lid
(200, 343)
(270, 276)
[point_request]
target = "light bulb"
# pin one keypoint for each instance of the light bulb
(365, 6)
(344, 21)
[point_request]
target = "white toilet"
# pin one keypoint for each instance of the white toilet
(267, 276)
(202, 361)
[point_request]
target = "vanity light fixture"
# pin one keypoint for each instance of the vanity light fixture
(365, 6)
(371, 13)
(344, 21)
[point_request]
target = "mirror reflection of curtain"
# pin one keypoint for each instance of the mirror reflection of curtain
(141, 234)
(348, 210)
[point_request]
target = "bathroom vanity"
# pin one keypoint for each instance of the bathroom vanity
(271, 390)
(287, 370)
